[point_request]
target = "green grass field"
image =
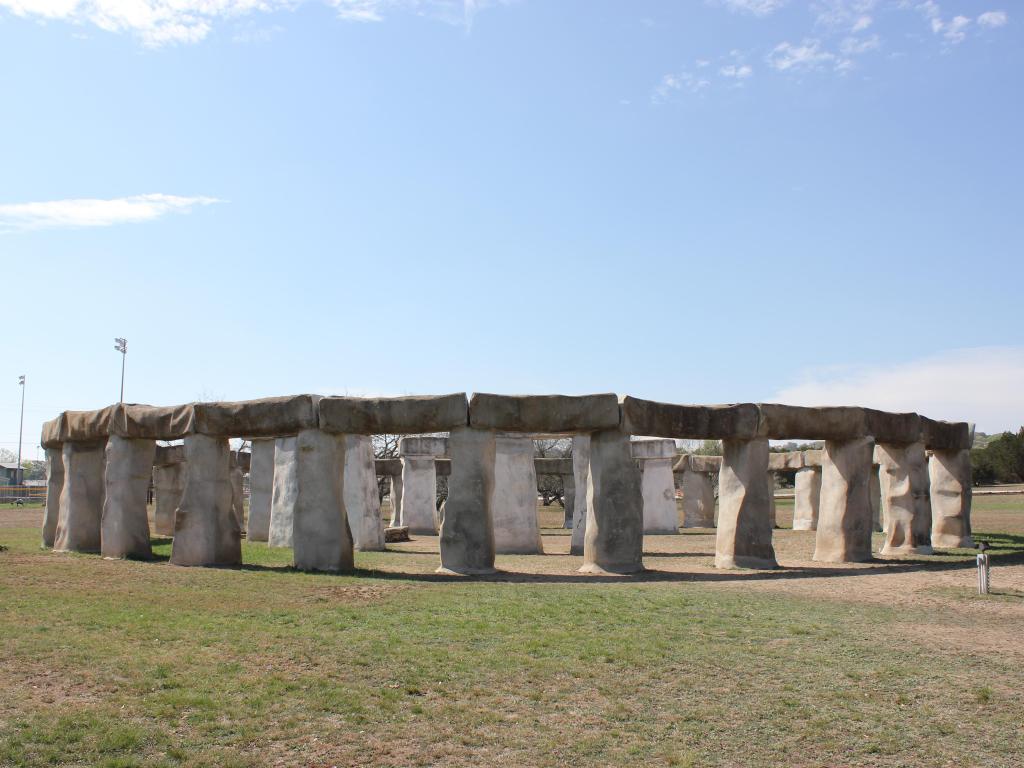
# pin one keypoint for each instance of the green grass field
(145, 664)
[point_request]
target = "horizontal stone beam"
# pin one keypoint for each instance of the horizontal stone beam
(552, 466)
(783, 461)
(393, 415)
(689, 422)
(268, 417)
(779, 422)
(945, 435)
(423, 446)
(698, 463)
(147, 422)
(544, 413)
(652, 449)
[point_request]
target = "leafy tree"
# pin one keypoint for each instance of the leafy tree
(1005, 456)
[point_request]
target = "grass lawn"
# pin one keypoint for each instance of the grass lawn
(145, 664)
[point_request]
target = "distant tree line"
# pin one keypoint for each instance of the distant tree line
(1000, 461)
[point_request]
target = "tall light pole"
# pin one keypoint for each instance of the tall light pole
(21, 424)
(121, 346)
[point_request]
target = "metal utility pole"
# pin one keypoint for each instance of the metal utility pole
(21, 424)
(121, 346)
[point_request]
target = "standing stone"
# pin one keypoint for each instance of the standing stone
(806, 499)
(81, 499)
(419, 482)
(322, 540)
(124, 527)
(286, 489)
(876, 499)
(613, 542)
(949, 473)
(844, 517)
(467, 531)
(396, 501)
(261, 489)
(168, 485)
(237, 493)
(54, 486)
(920, 484)
(205, 529)
(897, 501)
(657, 485)
(362, 499)
(773, 514)
(698, 499)
(744, 537)
(569, 498)
(514, 497)
(580, 481)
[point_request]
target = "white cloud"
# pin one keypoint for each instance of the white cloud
(59, 214)
(808, 55)
(981, 385)
(854, 46)
(738, 71)
(993, 19)
(678, 82)
(755, 7)
(161, 22)
(862, 23)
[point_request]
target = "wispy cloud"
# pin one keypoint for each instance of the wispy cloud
(162, 22)
(85, 212)
(807, 55)
(993, 19)
(754, 7)
(981, 384)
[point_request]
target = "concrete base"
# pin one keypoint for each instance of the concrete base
(54, 486)
(514, 499)
(744, 537)
(261, 490)
(81, 498)
(613, 542)
(321, 538)
(285, 493)
(949, 473)
(362, 499)
(467, 532)
(125, 521)
(205, 529)
(698, 500)
(806, 499)
(844, 519)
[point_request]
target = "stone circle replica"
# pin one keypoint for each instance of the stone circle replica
(313, 478)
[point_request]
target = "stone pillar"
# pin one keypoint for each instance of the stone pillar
(698, 499)
(54, 486)
(514, 497)
(949, 473)
(657, 485)
(237, 493)
(285, 490)
(744, 538)
(125, 522)
(876, 498)
(844, 517)
(205, 529)
(897, 501)
(419, 482)
(806, 499)
(569, 497)
(168, 485)
(321, 537)
(613, 542)
(81, 500)
(261, 489)
(362, 499)
(396, 501)
(580, 481)
(772, 512)
(920, 484)
(467, 532)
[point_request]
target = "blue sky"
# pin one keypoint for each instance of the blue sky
(689, 201)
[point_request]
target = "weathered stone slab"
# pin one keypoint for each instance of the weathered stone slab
(658, 492)
(892, 428)
(285, 493)
(744, 536)
(396, 493)
(393, 415)
(689, 422)
(168, 486)
(875, 497)
(54, 487)
(419, 495)
(423, 446)
(81, 499)
(321, 538)
(514, 498)
(552, 466)
(807, 498)
(205, 529)
(698, 500)
(581, 480)
(168, 454)
(147, 422)
(919, 482)
(897, 500)
(945, 435)
(813, 458)
(388, 467)
(543, 413)
(950, 479)
(395, 533)
(237, 479)
(613, 541)
(53, 430)
(790, 460)
(124, 526)
(711, 465)
(844, 517)
(467, 530)
(267, 417)
(568, 497)
(362, 499)
(261, 489)
(86, 426)
(780, 422)
(653, 449)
